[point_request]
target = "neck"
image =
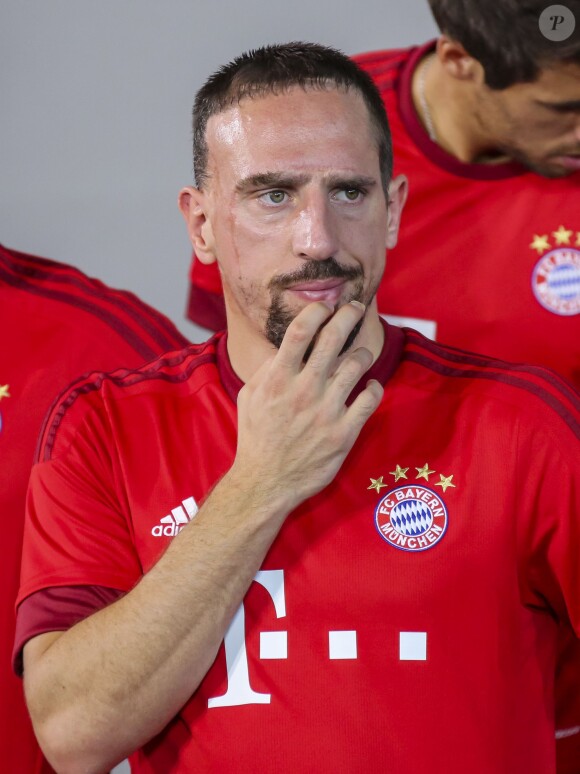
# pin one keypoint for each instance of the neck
(447, 108)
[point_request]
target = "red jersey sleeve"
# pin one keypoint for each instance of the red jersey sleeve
(547, 501)
(78, 530)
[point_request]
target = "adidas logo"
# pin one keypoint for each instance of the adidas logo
(171, 525)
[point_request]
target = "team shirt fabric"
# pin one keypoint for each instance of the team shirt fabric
(405, 618)
(488, 257)
(56, 324)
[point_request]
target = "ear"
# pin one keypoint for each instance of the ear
(193, 205)
(398, 189)
(456, 61)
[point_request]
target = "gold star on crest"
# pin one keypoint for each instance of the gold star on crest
(424, 472)
(562, 236)
(377, 483)
(4, 391)
(399, 472)
(540, 243)
(445, 482)
(578, 239)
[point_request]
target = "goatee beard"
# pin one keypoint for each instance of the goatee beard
(280, 317)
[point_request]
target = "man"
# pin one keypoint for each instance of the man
(486, 126)
(56, 324)
(408, 513)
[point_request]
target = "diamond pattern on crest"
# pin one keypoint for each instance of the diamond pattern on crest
(564, 281)
(411, 517)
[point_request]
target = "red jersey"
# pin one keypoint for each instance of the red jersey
(56, 324)
(405, 618)
(488, 257)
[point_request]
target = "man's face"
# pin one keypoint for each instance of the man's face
(537, 124)
(295, 207)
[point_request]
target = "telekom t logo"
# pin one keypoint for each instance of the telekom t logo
(342, 645)
(239, 690)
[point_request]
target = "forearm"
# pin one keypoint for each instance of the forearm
(144, 656)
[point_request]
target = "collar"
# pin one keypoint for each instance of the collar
(382, 369)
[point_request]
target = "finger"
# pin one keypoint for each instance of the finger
(332, 338)
(349, 372)
(256, 379)
(365, 404)
(299, 335)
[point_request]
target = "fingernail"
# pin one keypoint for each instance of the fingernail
(358, 305)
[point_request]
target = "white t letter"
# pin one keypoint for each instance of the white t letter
(239, 690)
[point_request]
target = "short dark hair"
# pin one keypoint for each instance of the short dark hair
(505, 37)
(274, 69)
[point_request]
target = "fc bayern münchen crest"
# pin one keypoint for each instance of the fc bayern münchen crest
(556, 281)
(411, 518)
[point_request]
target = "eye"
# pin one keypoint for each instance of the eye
(273, 197)
(349, 194)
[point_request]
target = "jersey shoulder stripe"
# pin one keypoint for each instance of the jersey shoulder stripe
(145, 329)
(544, 384)
(174, 368)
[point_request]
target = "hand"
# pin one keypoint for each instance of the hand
(295, 429)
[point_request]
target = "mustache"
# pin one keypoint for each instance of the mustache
(330, 268)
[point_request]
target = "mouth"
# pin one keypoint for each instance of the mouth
(328, 290)
(571, 162)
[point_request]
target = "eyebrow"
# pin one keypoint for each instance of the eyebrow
(271, 180)
(287, 180)
(561, 107)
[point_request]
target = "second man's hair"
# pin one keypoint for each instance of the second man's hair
(505, 37)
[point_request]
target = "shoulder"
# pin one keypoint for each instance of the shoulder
(69, 295)
(533, 394)
(93, 404)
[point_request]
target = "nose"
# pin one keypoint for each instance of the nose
(314, 233)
